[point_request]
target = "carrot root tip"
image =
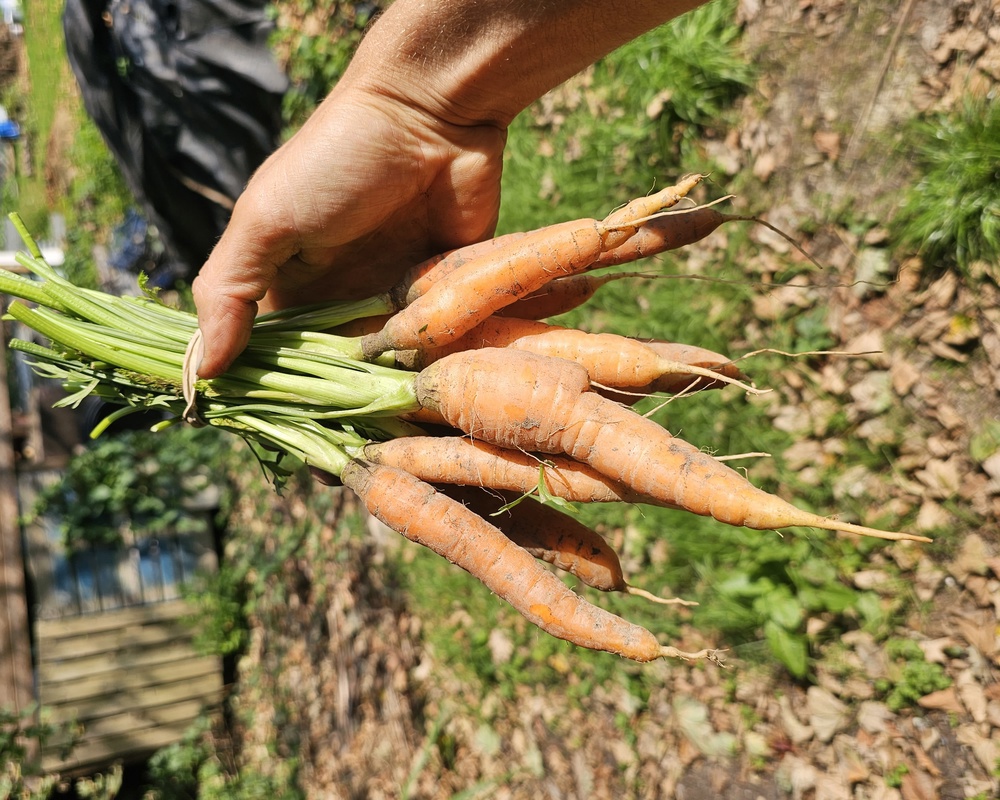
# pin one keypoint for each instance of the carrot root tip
(667, 601)
(708, 654)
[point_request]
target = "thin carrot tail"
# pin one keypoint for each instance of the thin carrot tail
(643, 207)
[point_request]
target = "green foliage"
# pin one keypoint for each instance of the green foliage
(951, 215)
(627, 126)
(911, 676)
(985, 441)
(894, 777)
(140, 478)
(317, 54)
(19, 779)
(98, 200)
(191, 769)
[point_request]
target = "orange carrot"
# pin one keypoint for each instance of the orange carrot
(555, 538)
(679, 381)
(423, 515)
(361, 326)
(463, 461)
(419, 278)
(611, 360)
(563, 294)
(528, 402)
(482, 285)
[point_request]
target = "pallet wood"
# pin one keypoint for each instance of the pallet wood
(129, 681)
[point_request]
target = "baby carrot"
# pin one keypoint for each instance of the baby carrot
(463, 461)
(473, 291)
(423, 515)
(557, 539)
(529, 402)
(563, 294)
(611, 360)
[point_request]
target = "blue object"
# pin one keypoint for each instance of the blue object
(10, 130)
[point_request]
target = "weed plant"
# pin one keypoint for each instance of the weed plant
(951, 215)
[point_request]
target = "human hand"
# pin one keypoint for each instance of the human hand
(368, 187)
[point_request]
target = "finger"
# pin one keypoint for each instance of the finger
(232, 282)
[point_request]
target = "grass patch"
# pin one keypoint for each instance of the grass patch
(951, 216)
(51, 85)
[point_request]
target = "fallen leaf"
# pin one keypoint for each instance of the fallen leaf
(918, 785)
(873, 716)
(797, 774)
(943, 478)
(986, 750)
(828, 144)
(942, 700)
(796, 731)
(934, 649)
(827, 714)
(692, 719)
(971, 558)
(971, 695)
(979, 629)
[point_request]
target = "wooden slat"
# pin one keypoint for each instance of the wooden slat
(106, 749)
(163, 679)
(126, 638)
(15, 633)
(89, 624)
(100, 663)
(203, 689)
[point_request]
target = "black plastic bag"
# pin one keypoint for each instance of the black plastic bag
(188, 98)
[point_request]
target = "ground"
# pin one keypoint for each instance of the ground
(338, 674)
(370, 717)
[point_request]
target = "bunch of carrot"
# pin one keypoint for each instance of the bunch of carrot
(435, 399)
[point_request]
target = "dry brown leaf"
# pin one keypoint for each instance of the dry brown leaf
(827, 714)
(979, 629)
(796, 731)
(934, 649)
(873, 716)
(986, 750)
(918, 785)
(942, 477)
(828, 144)
(942, 700)
(971, 558)
(971, 695)
(904, 376)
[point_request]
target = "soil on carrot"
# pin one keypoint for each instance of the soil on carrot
(339, 676)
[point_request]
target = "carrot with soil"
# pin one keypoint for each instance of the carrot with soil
(528, 402)
(423, 515)
(557, 539)
(483, 285)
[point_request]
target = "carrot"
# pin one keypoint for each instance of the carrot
(419, 278)
(611, 360)
(528, 402)
(463, 461)
(562, 295)
(361, 326)
(557, 539)
(676, 229)
(482, 285)
(423, 515)
(677, 382)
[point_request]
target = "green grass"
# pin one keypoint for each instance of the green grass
(49, 76)
(951, 215)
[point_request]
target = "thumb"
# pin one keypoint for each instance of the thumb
(229, 287)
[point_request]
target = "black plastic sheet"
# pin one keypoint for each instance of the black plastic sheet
(188, 98)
